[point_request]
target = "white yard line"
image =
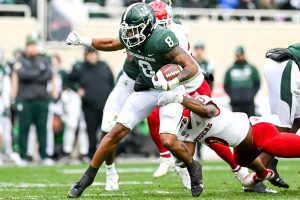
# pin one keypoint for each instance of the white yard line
(151, 170)
(119, 170)
(6, 186)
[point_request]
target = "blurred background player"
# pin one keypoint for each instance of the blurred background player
(53, 89)
(242, 83)
(206, 66)
(208, 69)
(72, 116)
(89, 75)
(31, 74)
(5, 112)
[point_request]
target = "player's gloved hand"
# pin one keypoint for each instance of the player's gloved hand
(159, 83)
(74, 38)
(162, 84)
(169, 97)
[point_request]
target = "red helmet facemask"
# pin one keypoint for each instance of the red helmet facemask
(163, 13)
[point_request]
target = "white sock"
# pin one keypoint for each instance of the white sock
(236, 169)
(110, 169)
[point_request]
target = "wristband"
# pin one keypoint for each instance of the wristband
(173, 83)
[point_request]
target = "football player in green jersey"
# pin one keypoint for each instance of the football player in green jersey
(152, 47)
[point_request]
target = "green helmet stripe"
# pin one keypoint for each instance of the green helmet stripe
(128, 9)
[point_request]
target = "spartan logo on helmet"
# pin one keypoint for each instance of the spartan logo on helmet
(138, 22)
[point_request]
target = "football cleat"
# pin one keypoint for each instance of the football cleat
(80, 186)
(195, 171)
(184, 175)
(112, 181)
(165, 165)
(259, 188)
(276, 180)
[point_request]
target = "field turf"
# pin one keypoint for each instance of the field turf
(136, 182)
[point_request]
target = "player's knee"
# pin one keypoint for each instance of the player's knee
(167, 140)
(118, 132)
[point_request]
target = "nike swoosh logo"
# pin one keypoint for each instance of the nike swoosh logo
(150, 55)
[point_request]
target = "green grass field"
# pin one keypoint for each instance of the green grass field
(136, 182)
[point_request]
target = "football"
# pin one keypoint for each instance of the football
(168, 72)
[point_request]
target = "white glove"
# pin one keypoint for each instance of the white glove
(160, 83)
(75, 38)
(169, 97)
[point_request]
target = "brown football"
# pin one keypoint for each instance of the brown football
(169, 72)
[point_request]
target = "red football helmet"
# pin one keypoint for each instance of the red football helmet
(163, 13)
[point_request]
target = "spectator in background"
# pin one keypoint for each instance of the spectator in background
(31, 74)
(247, 4)
(206, 66)
(267, 4)
(72, 118)
(241, 83)
(95, 82)
(295, 4)
(228, 4)
(5, 114)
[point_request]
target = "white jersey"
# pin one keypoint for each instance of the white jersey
(227, 127)
(181, 34)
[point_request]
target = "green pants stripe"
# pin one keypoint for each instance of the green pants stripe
(285, 90)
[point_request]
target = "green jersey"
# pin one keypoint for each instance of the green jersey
(131, 69)
(150, 57)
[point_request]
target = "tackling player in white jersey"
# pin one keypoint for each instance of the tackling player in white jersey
(209, 123)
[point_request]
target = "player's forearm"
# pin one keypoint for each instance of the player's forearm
(190, 68)
(188, 73)
(107, 44)
(195, 106)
